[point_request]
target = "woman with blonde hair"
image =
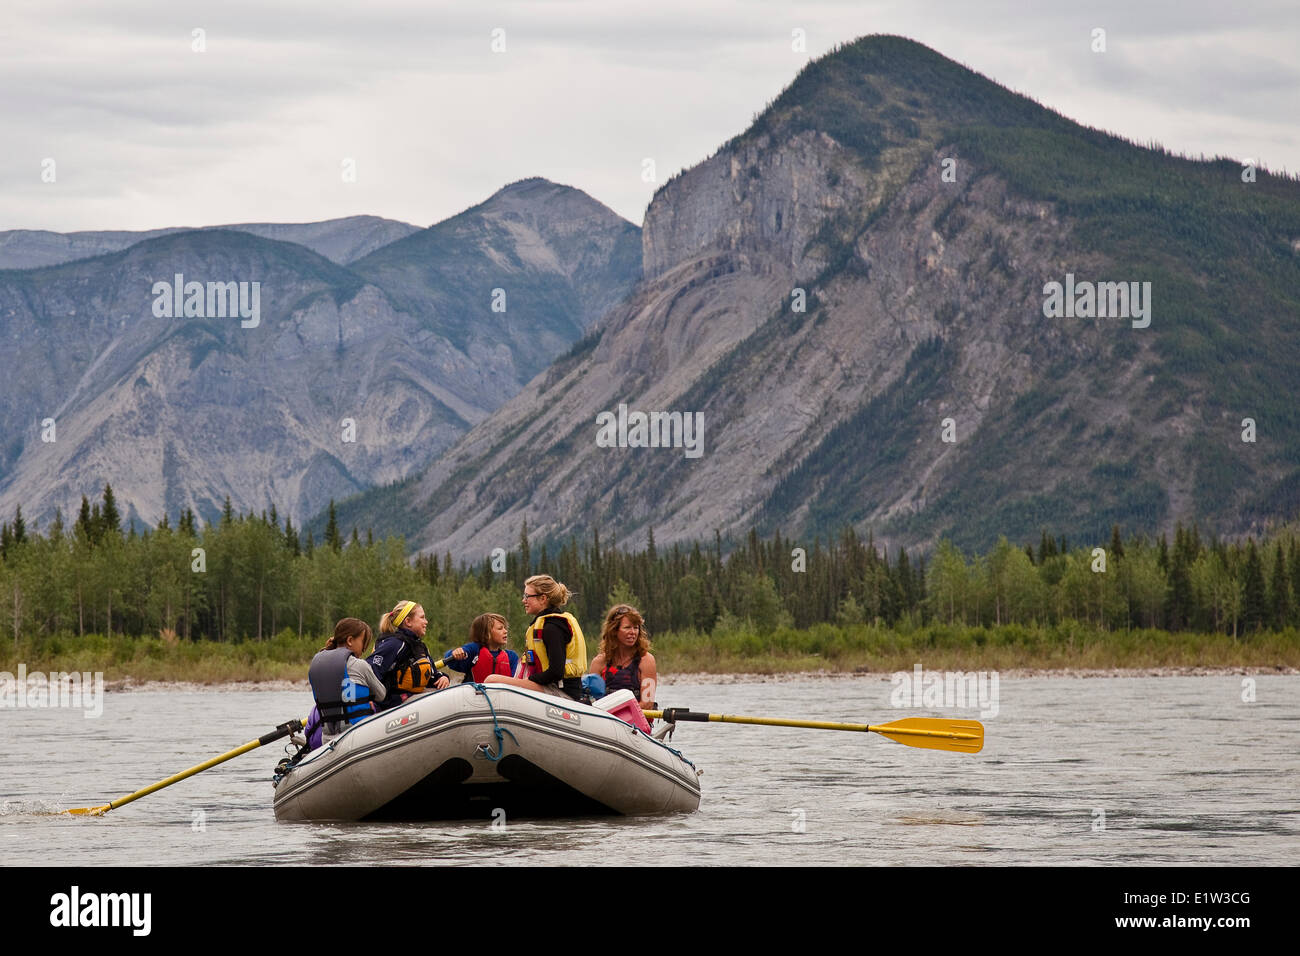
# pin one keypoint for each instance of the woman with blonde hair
(401, 660)
(625, 661)
(555, 655)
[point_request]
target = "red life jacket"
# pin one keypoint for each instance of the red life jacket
(485, 663)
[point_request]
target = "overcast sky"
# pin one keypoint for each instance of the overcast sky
(145, 131)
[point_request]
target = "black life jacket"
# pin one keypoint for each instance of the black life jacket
(627, 677)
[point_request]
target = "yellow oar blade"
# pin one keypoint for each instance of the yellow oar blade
(935, 733)
(91, 811)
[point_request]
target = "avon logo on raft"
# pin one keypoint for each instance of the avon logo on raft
(401, 723)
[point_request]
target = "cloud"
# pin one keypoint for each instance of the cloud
(147, 132)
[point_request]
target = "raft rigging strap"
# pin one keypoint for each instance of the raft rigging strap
(497, 730)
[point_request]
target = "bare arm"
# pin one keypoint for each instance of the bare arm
(649, 681)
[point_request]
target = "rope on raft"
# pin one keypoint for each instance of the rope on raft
(497, 730)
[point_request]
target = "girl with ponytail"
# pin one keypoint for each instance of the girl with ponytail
(555, 652)
(401, 660)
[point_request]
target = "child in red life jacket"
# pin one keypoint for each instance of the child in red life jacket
(486, 651)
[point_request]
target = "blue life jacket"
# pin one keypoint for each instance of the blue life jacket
(340, 698)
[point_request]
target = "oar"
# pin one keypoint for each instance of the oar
(283, 730)
(932, 733)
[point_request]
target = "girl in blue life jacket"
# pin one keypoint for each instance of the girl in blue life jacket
(342, 682)
(486, 651)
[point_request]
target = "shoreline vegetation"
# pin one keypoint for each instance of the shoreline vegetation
(823, 649)
(247, 598)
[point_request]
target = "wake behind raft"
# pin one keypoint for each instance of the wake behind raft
(475, 750)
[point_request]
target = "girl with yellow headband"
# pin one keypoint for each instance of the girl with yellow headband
(401, 660)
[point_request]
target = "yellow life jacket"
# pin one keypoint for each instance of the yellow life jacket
(575, 652)
(416, 676)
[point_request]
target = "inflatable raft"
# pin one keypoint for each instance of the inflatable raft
(473, 750)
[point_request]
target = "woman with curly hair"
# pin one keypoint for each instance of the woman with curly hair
(625, 661)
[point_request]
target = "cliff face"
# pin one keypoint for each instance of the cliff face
(334, 388)
(760, 199)
(849, 295)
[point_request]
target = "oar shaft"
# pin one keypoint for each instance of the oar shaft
(683, 713)
(282, 731)
(781, 722)
(178, 777)
(931, 728)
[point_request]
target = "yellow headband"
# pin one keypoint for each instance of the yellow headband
(397, 621)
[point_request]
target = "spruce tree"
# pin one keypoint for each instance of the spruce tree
(1279, 596)
(332, 536)
(84, 524)
(1293, 563)
(110, 518)
(1178, 600)
(1253, 604)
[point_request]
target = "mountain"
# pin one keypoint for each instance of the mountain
(339, 240)
(530, 269)
(919, 213)
(339, 383)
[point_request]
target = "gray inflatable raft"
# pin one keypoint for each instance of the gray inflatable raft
(474, 751)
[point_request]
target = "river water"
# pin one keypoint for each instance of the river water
(1127, 770)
